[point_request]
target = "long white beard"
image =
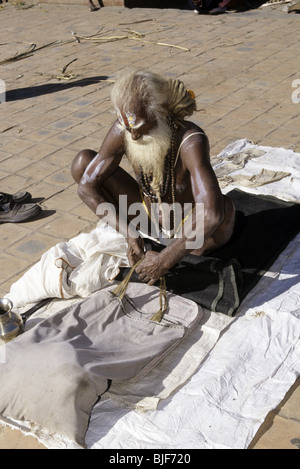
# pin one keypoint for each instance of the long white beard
(149, 152)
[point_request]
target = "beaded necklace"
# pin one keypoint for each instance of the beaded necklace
(168, 177)
(169, 173)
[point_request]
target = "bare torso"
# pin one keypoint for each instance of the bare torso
(101, 179)
(182, 189)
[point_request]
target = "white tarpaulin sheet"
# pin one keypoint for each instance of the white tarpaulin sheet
(246, 375)
(217, 389)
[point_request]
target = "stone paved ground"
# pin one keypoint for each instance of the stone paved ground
(241, 66)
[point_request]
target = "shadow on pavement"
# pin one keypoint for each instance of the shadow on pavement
(48, 88)
(237, 5)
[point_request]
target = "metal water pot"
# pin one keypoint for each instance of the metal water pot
(11, 324)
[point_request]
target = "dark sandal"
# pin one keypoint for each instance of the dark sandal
(19, 197)
(16, 213)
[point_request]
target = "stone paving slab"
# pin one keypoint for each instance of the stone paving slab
(241, 66)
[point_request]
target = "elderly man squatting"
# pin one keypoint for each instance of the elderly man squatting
(171, 162)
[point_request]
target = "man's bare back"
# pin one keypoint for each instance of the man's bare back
(171, 162)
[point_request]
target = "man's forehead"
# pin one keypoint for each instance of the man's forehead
(132, 118)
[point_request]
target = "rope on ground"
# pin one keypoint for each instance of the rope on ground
(134, 35)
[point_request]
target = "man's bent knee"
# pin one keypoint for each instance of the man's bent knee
(80, 163)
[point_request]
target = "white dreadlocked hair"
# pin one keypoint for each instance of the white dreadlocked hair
(135, 86)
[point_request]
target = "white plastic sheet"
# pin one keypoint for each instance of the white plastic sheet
(246, 375)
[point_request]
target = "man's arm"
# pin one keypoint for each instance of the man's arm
(97, 195)
(205, 187)
(91, 188)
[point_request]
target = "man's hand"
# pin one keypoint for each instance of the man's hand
(151, 268)
(135, 250)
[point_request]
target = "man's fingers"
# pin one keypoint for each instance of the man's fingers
(152, 282)
(134, 257)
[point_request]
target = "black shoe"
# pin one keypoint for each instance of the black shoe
(16, 213)
(19, 197)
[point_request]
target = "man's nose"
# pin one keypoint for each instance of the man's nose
(135, 134)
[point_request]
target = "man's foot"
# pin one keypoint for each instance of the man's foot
(19, 197)
(12, 212)
(217, 11)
